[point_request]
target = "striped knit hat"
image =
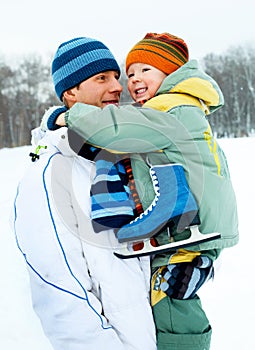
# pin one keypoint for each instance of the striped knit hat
(165, 52)
(79, 59)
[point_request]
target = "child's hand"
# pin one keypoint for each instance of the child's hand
(183, 280)
(53, 118)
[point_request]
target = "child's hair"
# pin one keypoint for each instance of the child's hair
(165, 52)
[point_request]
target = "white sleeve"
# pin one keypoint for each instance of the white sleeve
(61, 287)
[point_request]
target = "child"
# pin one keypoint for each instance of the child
(171, 127)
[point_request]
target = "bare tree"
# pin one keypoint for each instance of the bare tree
(235, 74)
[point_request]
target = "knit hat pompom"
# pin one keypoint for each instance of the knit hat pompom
(165, 52)
(79, 59)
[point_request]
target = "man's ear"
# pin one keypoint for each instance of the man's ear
(70, 96)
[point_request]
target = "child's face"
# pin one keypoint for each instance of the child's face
(143, 81)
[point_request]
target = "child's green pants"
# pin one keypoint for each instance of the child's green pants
(181, 325)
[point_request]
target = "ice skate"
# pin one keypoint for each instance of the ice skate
(173, 203)
(148, 247)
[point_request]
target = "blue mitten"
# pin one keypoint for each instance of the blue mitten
(50, 116)
(183, 280)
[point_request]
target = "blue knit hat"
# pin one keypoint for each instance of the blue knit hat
(79, 59)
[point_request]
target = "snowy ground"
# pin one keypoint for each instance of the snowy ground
(229, 300)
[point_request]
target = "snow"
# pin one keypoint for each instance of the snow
(228, 300)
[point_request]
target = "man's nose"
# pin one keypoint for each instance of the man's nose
(116, 86)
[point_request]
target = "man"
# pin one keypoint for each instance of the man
(85, 297)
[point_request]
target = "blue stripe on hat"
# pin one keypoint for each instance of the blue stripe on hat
(69, 45)
(76, 63)
(69, 52)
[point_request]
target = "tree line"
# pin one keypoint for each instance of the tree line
(234, 71)
(26, 91)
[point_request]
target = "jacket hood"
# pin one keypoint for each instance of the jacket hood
(58, 139)
(191, 80)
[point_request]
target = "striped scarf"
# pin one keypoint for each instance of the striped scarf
(114, 199)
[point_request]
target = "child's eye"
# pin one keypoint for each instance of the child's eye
(130, 75)
(146, 69)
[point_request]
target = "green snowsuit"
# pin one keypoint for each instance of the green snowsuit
(172, 127)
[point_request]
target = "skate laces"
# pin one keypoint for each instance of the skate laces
(155, 200)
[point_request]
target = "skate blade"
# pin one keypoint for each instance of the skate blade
(196, 237)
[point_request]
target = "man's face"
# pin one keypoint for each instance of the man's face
(100, 90)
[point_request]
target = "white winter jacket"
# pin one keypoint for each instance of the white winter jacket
(85, 297)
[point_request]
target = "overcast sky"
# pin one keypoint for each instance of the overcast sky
(28, 26)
